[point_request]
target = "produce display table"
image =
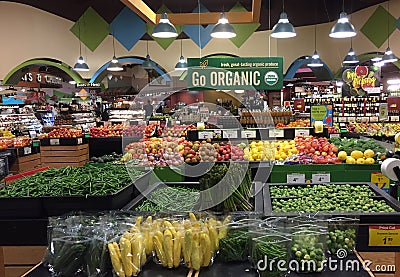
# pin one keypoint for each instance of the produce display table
(26, 163)
(61, 156)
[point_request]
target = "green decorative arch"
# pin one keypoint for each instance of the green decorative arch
(13, 75)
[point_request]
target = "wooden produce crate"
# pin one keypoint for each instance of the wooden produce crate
(16, 260)
(26, 163)
(61, 156)
(381, 264)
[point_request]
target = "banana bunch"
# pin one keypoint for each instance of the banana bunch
(6, 134)
(127, 157)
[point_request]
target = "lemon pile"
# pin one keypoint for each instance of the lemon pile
(259, 151)
(358, 157)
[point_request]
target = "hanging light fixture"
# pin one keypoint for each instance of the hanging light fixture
(223, 29)
(388, 57)
(283, 29)
(114, 64)
(80, 65)
(315, 60)
(164, 28)
(148, 63)
(343, 28)
(377, 58)
(182, 64)
(351, 57)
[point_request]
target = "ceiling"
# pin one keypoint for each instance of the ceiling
(300, 12)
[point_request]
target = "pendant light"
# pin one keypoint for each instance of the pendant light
(223, 29)
(343, 28)
(351, 57)
(182, 64)
(283, 29)
(148, 63)
(388, 57)
(80, 65)
(315, 60)
(114, 64)
(164, 28)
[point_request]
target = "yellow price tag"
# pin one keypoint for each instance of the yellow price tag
(380, 180)
(384, 235)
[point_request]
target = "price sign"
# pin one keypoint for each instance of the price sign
(32, 134)
(394, 118)
(276, 133)
(218, 132)
(87, 135)
(334, 135)
(301, 132)
(205, 135)
(80, 140)
(35, 143)
(384, 235)
(342, 119)
(319, 178)
(249, 134)
(295, 178)
(351, 119)
(230, 134)
(54, 141)
(383, 111)
(374, 119)
(27, 150)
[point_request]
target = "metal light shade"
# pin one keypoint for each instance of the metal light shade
(81, 65)
(315, 61)
(164, 28)
(148, 63)
(283, 29)
(343, 28)
(389, 57)
(114, 65)
(223, 29)
(351, 57)
(182, 64)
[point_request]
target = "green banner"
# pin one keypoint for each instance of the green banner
(259, 73)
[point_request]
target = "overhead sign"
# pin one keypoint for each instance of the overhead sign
(253, 73)
(361, 80)
(38, 79)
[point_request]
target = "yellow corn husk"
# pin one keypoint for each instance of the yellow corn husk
(196, 253)
(205, 244)
(192, 217)
(136, 253)
(178, 248)
(168, 248)
(149, 219)
(116, 247)
(115, 259)
(138, 221)
(126, 255)
(213, 238)
(159, 251)
(223, 229)
(168, 225)
(187, 246)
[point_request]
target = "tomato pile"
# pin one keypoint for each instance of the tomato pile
(63, 133)
(106, 131)
(316, 150)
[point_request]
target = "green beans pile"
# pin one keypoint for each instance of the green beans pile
(68, 181)
(170, 199)
(234, 247)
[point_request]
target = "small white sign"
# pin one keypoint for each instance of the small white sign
(342, 119)
(373, 119)
(334, 135)
(54, 141)
(205, 135)
(394, 118)
(301, 132)
(80, 140)
(351, 119)
(218, 132)
(320, 178)
(230, 134)
(27, 150)
(295, 178)
(33, 134)
(249, 134)
(276, 133)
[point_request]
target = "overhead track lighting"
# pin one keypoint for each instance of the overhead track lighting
(164, 28)
(80, 65)
(315, 60)
(343, 28)
(283, 29)
(223, 29)
(182, 64)
(114, 63)
(148, 63)
(351, 57)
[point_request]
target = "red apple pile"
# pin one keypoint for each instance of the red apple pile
(134, 131)
(224, 151)
(189, 150)
(319, 149)
(153, 129)
(106, 131)
(177, 130)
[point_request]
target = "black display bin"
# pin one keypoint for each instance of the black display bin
(105, 146)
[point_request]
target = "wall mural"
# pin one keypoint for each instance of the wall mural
(128, 28)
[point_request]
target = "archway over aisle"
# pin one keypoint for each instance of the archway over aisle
(299, 66)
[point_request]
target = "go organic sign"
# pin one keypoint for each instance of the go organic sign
(236, 73)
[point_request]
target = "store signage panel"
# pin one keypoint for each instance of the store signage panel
(383, 111)
(322, 113)
(385, 235)
(361, 80)
(236, 73)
